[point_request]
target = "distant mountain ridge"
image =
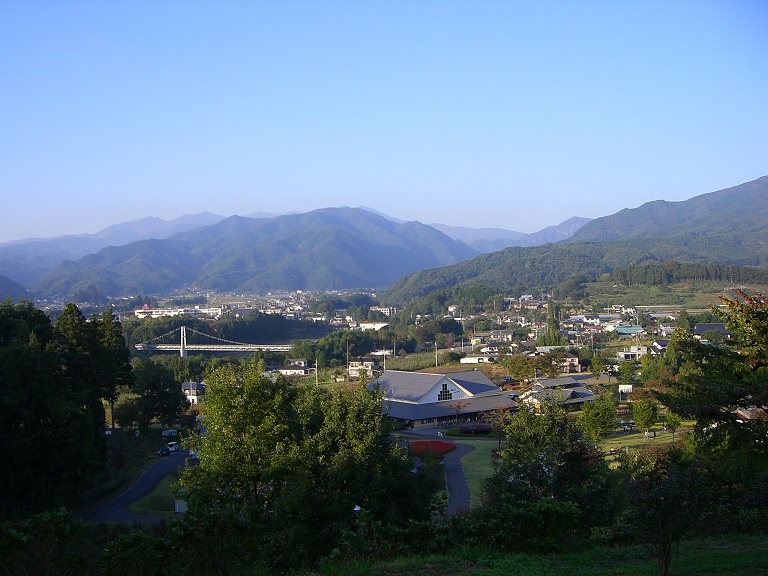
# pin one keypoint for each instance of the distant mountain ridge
(28, 259)
(740, 209)
(12, 290)
(724, 227)
(324, 249)
(494, 239)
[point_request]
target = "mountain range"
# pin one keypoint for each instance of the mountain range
(325, 249)
(725, 227)
(25, 261)
(336, 248)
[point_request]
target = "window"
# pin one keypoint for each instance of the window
(444, 394)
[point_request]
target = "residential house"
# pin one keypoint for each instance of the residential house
(296, 368)
(367, 365)
(632, 353)
(565, 390)
(375, 326)
(194, 392)
(659, 347)
(702, 328)
(421, 399)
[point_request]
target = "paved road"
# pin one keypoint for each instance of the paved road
(456, 481)
(115, 510)
(458, 489)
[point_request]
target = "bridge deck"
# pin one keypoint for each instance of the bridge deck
(217, 347)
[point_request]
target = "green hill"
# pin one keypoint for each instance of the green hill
(333, 248)
(725, 227)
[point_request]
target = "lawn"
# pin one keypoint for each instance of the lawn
(159, 502)
(635, 440)
(477, 466)
(726, 556)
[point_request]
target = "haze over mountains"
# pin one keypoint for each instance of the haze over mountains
(337, 248)
(27, 260)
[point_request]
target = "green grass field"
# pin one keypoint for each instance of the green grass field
(160, 502)
(477, 466)
(727, 556)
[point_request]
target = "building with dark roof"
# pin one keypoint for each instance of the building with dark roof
(567, 391)
(703, 327)
(422, 399)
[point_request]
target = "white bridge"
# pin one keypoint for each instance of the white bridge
(220, 345)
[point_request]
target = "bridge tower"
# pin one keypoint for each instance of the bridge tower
(183, 345)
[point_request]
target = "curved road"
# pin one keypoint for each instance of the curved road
(115, 510)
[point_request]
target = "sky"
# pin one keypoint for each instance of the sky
(484, 114)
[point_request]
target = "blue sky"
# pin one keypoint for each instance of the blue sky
(513, 115)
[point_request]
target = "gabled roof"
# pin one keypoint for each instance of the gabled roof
(566, 395)
(474, 382)
(565, 382)
(446, 409)
(412, 386)
(703, 327)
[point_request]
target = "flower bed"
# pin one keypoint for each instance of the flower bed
(439, 447)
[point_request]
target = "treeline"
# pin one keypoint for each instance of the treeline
(54, 383)
(671, 272)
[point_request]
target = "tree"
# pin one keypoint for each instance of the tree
(51, 415)
(597, 365)
(710, 383)
(497, 418)
(683, 321)
(113, 359)
(545, 456)
(718, 387)
(549, 363)
(598, 418)
(159, 394)
(520, 366)
(673, 422)
(552, 335)
(666, 494)
(288, 465)
(81, 407)
(645, 414)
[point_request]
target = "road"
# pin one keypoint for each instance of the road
(456, 481)
(115, 510)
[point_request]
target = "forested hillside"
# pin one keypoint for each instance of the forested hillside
(321, 250)
(735, 215)
(725, 228)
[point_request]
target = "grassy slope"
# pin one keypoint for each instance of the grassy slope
(731, 556)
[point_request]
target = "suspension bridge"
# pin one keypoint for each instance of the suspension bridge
(210, 344)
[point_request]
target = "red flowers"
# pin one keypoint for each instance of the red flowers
(439, 447)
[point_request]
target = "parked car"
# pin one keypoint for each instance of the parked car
(168, 448)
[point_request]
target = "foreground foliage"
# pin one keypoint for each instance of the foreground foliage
(289, 467)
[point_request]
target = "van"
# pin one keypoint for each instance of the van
(173, 446)
(169, 432)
